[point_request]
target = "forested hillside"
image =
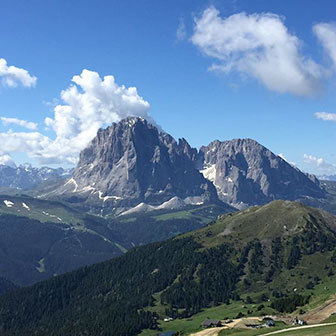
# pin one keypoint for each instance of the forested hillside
(252, 251)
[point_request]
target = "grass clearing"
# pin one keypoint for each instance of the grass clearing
(193, 324)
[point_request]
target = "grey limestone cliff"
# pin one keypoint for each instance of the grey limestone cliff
(246, 173)
(131, 163)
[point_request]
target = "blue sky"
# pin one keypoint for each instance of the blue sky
(167, 49)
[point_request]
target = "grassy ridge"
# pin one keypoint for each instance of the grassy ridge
(243, 264)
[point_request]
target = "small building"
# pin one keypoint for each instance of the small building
(168, 319)
(168, 333)
(211, 323)
(298, 321)
(269, 323)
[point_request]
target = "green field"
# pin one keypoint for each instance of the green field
(41, 210)
(321, 293)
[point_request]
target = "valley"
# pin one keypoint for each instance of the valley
(282, 266)
(147, 228)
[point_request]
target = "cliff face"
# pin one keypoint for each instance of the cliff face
(246, 173)
(133, 165)
(131, 162)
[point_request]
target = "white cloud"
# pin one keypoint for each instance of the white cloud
(326, 33)
(258, 45)
(87, 105)
(23, 123)
(15, 142)
(326, 116)
(320, 164)
(12, 75)
(181, 32)
(6, 160)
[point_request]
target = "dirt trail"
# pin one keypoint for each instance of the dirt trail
(321, 313)
(209, 332)
(215, 331)
(299, 328)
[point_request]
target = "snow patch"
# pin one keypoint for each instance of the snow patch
(105, 198)
(52, 216)
(87, 188)
(25, 206)
(8, 204)
(209, 172)
(74, 183)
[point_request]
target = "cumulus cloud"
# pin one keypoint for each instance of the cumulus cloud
(326, 116)
(320, 164)
(23, 123)
(11, 75)
(30, 142)
(260, 46)
(88, 104)
(326, 33)
(6, 160)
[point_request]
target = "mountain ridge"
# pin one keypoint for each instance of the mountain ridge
(132, 166)
(26, 177)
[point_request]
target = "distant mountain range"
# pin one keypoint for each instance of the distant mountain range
(327, 177)
(26, 177)
(133, 167)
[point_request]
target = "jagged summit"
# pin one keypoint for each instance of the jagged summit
(247, 173)
(131, 162)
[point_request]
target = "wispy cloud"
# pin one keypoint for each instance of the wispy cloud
(326, 33)
(326, 116)
(260, 46)
(23, 123)
(181, 32)
(322, 166)
(12, 76)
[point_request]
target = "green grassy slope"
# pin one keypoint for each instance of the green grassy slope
(40, 239)
(279, 258)
(144, 228)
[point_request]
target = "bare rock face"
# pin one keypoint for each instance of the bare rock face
(131, 162)
(131, 166)
(246, 173)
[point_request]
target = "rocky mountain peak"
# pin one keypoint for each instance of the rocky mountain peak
(132, 162)
(246, 173)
